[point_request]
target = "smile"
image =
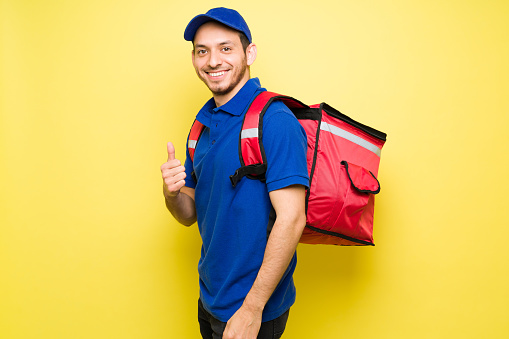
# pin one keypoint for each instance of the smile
(216, 74)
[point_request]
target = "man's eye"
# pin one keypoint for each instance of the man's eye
(227, 49)
(201, 52)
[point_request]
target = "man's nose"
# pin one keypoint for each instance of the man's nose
(215, 59)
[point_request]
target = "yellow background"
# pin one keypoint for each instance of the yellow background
(92, 90)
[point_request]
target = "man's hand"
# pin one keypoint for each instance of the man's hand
(245, 324)
(181, 206)
(173, 174)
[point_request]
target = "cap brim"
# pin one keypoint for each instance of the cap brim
(194, 24)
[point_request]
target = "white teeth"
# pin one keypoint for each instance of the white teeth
(216, 74)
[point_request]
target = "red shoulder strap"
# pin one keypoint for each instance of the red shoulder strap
(252, 154)
(251, 147)
(194, 135)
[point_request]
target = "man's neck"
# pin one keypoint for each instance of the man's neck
(224, 98)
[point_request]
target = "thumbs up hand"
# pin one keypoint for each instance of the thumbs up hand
(171, 151)
(173, 174)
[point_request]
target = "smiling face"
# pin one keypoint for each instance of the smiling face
(220, 60)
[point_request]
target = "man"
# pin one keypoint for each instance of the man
(246, 284)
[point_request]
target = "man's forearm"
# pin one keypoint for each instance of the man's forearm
(280, 249)
(289, 204)
(181, 206)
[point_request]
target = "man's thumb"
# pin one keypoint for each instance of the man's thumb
(171, 151)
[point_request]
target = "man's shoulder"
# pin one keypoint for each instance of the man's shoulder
(279, 114)
(278, 107)
(280, 122)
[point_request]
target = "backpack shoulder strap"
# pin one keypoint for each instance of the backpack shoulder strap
(251, 152)
(194, 135)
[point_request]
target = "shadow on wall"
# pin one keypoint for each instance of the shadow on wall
(342, 264)
(333, 275)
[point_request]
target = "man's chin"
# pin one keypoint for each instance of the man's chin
(219, 90)
(213, 87)
(220, 93)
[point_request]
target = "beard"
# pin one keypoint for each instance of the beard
(226, 86)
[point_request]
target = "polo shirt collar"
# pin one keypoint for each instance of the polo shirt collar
(236, 106)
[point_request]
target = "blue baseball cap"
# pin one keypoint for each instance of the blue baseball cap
(226, 16)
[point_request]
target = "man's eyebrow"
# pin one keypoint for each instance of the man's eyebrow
(227, 42)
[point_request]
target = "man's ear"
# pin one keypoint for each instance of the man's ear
(251, 54)
(192, 56)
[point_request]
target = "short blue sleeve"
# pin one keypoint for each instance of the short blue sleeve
(285, 144)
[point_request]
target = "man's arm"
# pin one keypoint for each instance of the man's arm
(179, 198)
(289, 204)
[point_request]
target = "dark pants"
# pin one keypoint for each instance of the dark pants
(211, 328)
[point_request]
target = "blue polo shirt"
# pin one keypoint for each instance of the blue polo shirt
(233, 220)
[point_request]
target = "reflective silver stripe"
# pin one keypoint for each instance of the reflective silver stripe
(192, 144)
(350, 137)
(249, 133)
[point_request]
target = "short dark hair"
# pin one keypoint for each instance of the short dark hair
(244, 41)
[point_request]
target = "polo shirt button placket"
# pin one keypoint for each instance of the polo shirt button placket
(214, 141)
(215, 125)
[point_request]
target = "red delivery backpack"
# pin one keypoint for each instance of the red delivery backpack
(342, 157)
